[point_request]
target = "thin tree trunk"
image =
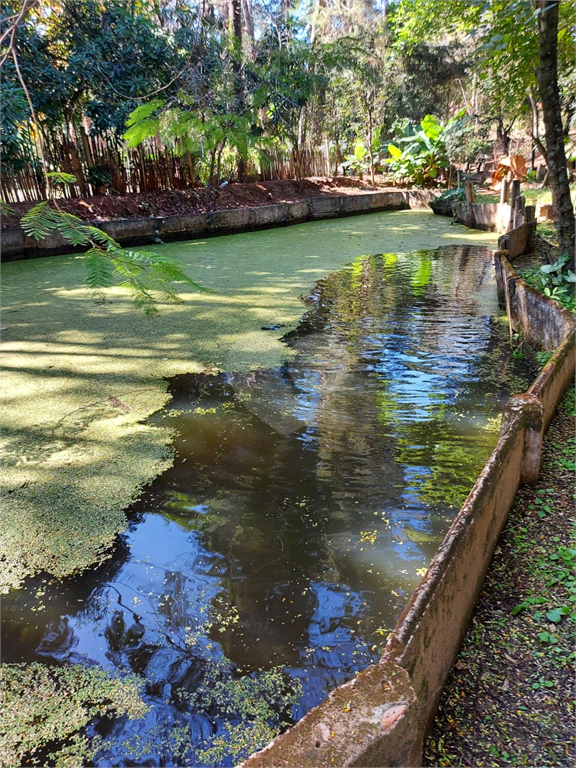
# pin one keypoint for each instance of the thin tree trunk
(554, 133)
(536, 127)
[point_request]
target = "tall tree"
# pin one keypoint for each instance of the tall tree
(547, 11)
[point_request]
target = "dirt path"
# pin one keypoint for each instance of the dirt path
(509, 699)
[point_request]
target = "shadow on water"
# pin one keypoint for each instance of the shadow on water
(301, 511)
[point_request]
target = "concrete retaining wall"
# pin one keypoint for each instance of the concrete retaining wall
(489, 217)
(381, 717)
(542, 322)
(15, 244)
(518, 240)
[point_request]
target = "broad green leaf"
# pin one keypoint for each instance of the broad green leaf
(431, 127)
(394, 151)
(144, 129)
(143, 112)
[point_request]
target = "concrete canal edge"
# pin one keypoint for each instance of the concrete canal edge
(16, 245)
(380, 718)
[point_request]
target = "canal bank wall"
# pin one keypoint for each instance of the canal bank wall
(17, 245)
(380, 718)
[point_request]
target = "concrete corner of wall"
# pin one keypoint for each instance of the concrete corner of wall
(370, 721)
(420, 199)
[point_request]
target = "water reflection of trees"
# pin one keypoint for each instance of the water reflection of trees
(293, 517)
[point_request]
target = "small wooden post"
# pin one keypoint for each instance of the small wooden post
(514, 190)
(469, 190)
(530, 214)
(514, 195)
(519, 209)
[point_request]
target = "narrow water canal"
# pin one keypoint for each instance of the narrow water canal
(267, 565)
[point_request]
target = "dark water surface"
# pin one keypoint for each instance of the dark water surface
(267, 565)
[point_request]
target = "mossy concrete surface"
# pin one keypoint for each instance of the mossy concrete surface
(79, 377)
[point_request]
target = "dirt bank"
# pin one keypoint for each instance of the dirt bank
(201, 200)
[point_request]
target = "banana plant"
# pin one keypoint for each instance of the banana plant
(422, 156)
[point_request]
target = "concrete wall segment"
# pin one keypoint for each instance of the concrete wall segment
(326, 207)
(135, 230)
(184, 226)
(268, 215)
(543, 322)
(556, 376)
(369, 721)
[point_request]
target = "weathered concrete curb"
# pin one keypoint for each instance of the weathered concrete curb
(489, 217)
(15, 244)
(422, 647)
(518, 240)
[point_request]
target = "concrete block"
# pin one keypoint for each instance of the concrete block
(298, 211)
(520, 240)
(356, 204)
(12, 240)
(266, 215)
(186, 225)
(420, 199)
(326, 207)
(387, 201)
(227, 221)
(369, 721)
(129, 230)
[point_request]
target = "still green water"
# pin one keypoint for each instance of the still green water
(306, 500)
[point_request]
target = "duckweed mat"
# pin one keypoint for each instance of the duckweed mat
(80, 377)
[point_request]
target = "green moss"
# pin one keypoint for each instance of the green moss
(79, 378)
(45, 711)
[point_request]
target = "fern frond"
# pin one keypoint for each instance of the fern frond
(99, 272)
(101, 237)
(39, 221)
(5, 209)
(72, 228)
(59, 177)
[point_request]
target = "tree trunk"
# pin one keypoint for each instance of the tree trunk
(236, 25)
(554, 133)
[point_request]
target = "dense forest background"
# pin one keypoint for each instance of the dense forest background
(139, 95)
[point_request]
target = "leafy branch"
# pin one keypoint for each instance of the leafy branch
(148, 277)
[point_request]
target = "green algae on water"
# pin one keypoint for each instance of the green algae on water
(45, 711)
(79, 378)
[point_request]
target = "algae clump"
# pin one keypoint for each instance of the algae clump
(45, 711)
